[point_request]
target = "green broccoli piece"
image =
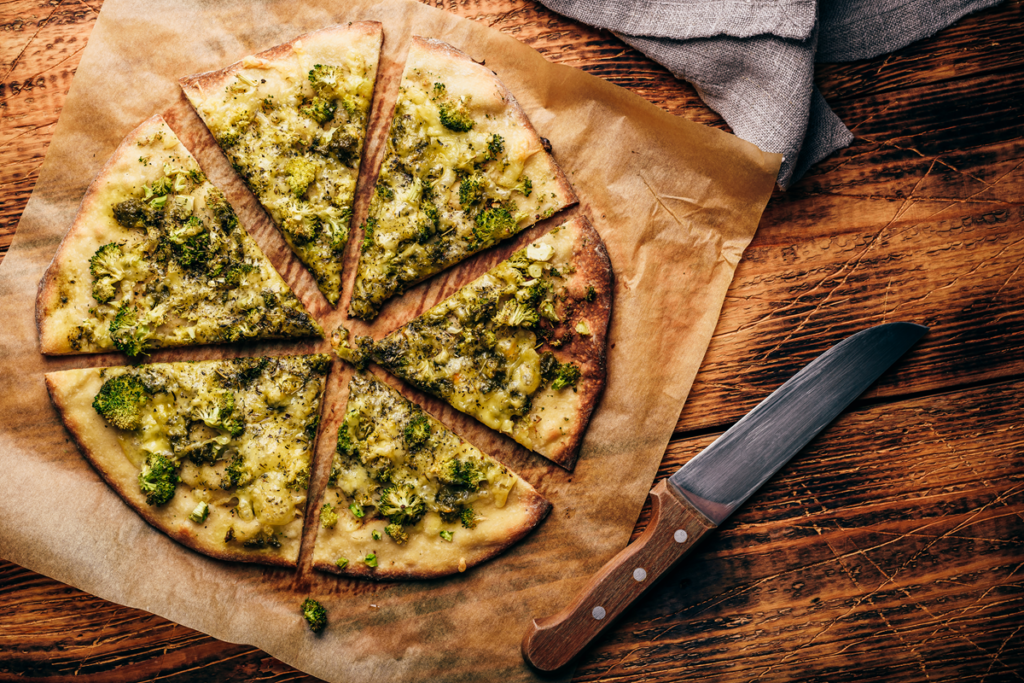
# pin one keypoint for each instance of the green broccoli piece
(344, 440)
(301, 174)
(568, 375)
(417, 431)
(525, 186)
(369, 225)
(375, 535)
(201, 512)
(400, 504)
(121, 400)
(236, 473)
(454, 118)
(370, 560)
(218, 415)
(157, 480)
(494, 223)
(133, 213)
(471, 191)
(109, 265)
(447, 535)
(314, 614)
(323, 76)
(516, 314)
(468, 518)
(328, 516)
(357, 510)
(495, 146)
(460, 473)
(397, 533)
(384, 191)
(341, 562)
(357, 354)
(320, 109)
(161, 187)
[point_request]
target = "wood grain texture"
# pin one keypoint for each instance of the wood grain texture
(892, 548)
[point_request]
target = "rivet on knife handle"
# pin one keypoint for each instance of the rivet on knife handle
(674, 530)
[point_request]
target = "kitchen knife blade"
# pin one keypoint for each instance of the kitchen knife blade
(711, 486)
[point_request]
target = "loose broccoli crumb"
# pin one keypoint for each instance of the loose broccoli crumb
(591, 293)
(314, 614)
(375, 535)
(446, 535)
(328, 516)
(158, 479)
(356, 510)
(468, 518)
(341, 562)
(201, 512)
(370, 560)
(121, 400)
(525, 186)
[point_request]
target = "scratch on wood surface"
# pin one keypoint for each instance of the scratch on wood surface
(999, 652)
(39, 27)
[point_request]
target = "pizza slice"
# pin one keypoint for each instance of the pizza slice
(521, 348)
(156, 258)
(408, 499)
(215, 454)
(292, 120)
(463, 170)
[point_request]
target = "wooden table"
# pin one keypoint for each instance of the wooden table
(892, 548)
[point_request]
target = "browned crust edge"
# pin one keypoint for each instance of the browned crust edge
(195, 85)
(183, 538)
(537, 506)
(566, 193)
(593, 268)
(47, 289)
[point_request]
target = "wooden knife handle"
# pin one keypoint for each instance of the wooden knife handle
(674, 530)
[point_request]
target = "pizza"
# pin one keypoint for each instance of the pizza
(292, 120)
(216, 454)
(156, 258)
(463, 170)
(521, 348)
(408, 499)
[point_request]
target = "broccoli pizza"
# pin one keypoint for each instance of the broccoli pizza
(292, 120)
(463, 170)
(156, 258)
(407, 498)
(216, 454)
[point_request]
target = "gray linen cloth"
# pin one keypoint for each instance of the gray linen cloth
(752, 61)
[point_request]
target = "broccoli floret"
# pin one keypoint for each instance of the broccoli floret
(103, 290)
(468, 518)
(375, 535)
(109, 261)
(314, 614)
(401, 505)
(127, 332)
(301, 174)
(201, 512)
(121, 400)
(328, 516)
(218, 415)
(566, 376)
(471, 191)
(454, 118)
(495, 146)
(446, 535)
(344, 440)
(157, 479)
(217, 203)
(493, 223)
(161, 187)
(323, 76)
(462, 473)
(417, 431)
(357, 510)
(133, 213)
(369, 225)
(236, 473)
(516, 314)
(320, 109)
(370, 560)
(397, 533)
(384, 191)
(525, 186)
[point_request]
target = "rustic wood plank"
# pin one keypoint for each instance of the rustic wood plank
(921, 219)
(891, 548)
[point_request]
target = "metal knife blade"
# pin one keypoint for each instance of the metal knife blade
(709, 488)
(730, 470)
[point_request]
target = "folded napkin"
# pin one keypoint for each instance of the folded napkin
(752, 61)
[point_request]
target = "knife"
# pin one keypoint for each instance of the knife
(710, 487)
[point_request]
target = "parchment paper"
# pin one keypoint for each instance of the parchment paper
(676, 203)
